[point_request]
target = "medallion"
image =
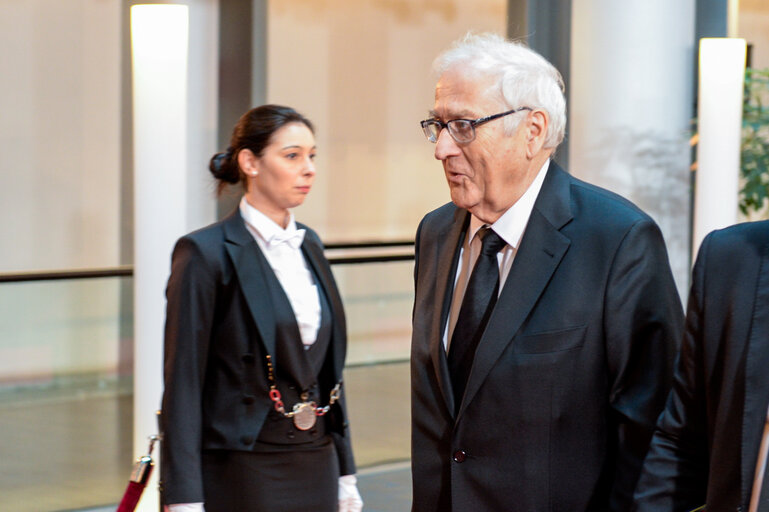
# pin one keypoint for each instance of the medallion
(304, 415)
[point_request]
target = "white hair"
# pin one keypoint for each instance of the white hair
(526, 79)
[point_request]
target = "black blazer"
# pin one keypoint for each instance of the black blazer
(706, 443)
(571, 372)
(219, 325)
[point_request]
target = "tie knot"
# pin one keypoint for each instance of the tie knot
(491, 242)
(293, 239)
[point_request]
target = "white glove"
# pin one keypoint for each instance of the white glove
(349, 497)
(185, 507)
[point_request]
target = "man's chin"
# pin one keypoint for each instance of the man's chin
(460, 199)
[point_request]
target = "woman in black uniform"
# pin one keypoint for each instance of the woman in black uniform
(253, 412)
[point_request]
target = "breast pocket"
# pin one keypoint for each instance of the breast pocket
(550, 341)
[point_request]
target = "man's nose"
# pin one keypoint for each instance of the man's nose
(445, 146)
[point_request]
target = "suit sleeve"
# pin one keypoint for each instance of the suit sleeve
(342, 442)
(675, 471)
(417, 238)
(191, 295)
(643, 323)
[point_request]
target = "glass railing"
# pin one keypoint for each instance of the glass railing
(378, 299)
(66, 360)
(65, 392)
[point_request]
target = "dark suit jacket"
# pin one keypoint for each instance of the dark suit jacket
(706, 443)
(219, 325)
(571, 372)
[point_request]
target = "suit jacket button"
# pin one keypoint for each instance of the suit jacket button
(290, 434)
(460, 456)
(248, 358)
(248, 399)
(247, 440)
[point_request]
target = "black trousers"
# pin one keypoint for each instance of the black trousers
(281, 479)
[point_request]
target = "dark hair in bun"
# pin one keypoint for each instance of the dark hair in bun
(253, 131)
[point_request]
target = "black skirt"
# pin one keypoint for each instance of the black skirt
(300, 479)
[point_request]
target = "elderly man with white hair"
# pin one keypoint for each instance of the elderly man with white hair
(546, 321)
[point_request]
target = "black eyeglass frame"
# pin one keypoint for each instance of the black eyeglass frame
(433, 137)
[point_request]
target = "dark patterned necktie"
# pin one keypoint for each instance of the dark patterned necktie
(477, 305)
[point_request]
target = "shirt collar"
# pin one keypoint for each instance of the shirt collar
(511, 225)
(266, 229)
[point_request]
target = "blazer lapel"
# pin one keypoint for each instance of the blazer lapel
(313, 252)
(539, 254)
(756, 383)
(450, 239)
(246, 256)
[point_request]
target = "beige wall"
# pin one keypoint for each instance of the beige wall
(59, 133)
(60, 183)
(63, 193)
(753, 25)
(360, 69)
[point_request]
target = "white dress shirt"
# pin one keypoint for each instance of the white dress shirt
(758, 478)
(510, 227)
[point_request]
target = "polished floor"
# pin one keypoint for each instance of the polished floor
(385, 488)
(69, 449)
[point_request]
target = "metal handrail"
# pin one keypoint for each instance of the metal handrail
(369, 244)
(356, 260)
(58, 275)
(128, 270)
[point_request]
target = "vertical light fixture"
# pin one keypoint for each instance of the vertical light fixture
(719, 124)
(159, 49)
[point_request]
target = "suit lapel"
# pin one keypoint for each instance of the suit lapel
(450, 239)
(756, 382)
(539, 254)
(313, 252)
(245, 255)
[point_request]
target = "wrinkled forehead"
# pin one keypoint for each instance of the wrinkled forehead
(462, 94)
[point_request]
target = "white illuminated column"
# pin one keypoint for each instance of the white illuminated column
(719, 113)
(630, 95)
(159, 43)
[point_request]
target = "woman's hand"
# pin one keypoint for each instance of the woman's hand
(184, 507)
(349, 497)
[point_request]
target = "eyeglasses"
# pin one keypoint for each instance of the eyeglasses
(461, 130)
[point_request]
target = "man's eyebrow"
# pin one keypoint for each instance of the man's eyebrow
(462, 114)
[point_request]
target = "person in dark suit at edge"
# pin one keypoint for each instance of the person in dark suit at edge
(546, 319)
(253, 415)
(710, 444)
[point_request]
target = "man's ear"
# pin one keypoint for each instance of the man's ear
(536, 132)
